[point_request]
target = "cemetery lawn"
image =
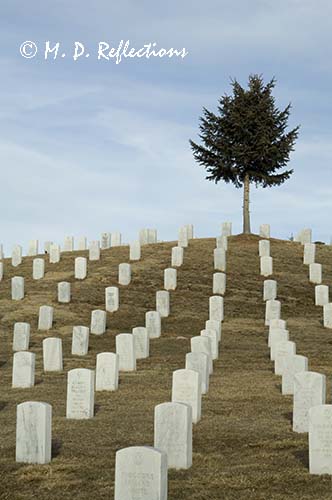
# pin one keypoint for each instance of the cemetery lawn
(244, 446)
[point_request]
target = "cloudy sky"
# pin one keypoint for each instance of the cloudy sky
(89, 145)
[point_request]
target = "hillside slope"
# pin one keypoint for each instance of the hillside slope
(243, 448)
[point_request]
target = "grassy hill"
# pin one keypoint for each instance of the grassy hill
(244, 446)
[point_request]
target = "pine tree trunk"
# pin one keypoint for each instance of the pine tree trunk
(246, 214)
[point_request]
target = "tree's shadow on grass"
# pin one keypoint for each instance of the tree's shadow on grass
(302, 456)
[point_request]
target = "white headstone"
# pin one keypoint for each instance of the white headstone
(54, 254)
(107, 371)
(163, 303)
(47, 246)
(320, 439)
(140, 474)
(277, 335)
(266, 266)
(98, 322)
(226, 229)
(306, 236)
(80, 341)
(82, 243)
(16, 255)
(80, 393)
(283, 349)
(264, 230)
(321, 295)
(105, 240)
(173, 433)
(272, 310)
(94, 250)
(23, 369)
(293, 364)
(309, 253)
(315, 273)
(183, 237)
(269, 290)
(170, 279)
(34, 432)
(124, 274)
(111, 298)
(212, 324)
(327, 315)
(68, 244)
(64, 292)
(81, 265)
(202, 344)
(33, 248)
(222, 242)
(186, 388)
(38, 269)
(45, 319)
(177, 256)
(264, 248)
(190, 231)
(153, 324)
(125, 348)
(17, 283)
(21, 337)
(1, 270)
(219, 283)
(213, 336)
(309, 391)
(199, 361)
(219, 256)
(135, 250)
(115, 239)
(52, 354)
(142, 342)
(216, 308)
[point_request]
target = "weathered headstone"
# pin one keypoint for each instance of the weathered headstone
(321, 295)
(135, 250)
(264, 231)
(293, 364)
(64, 292)
(272, 310)
(186, 388)
(38, 269)
(107, 371)
(266, 266)
(21, 337)
(142, 342)
(80, 393)
(124, 274)
(219, 256)
(183, 237)
(153, 324)
(173, 433)
(98, 322)
(264, 248)
(33, 248)
(111, 298)
(54, 254)
(199, 361)
(315, 273)
(320, 439)
(269, 290)
(34, 432)
(283, 349)
(170, 279)
(163, 303)
(17, 285)
(23, 369)
(52, 354)
(309, 391)
(81, 265)
(177, 256)
(16, 255)
(105, 240)
(222, 242)
(45, 319)
(80, 341)
(309, 253)
(219, 283)
(216, 308)
(140, 474)
(125, 348)
(94, 250)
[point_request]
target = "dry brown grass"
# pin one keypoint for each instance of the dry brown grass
(244, 447)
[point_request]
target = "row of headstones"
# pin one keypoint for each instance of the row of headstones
(310, 413)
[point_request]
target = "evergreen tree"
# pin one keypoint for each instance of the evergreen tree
(247, 141)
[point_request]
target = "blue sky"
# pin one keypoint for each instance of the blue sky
(91, 146)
